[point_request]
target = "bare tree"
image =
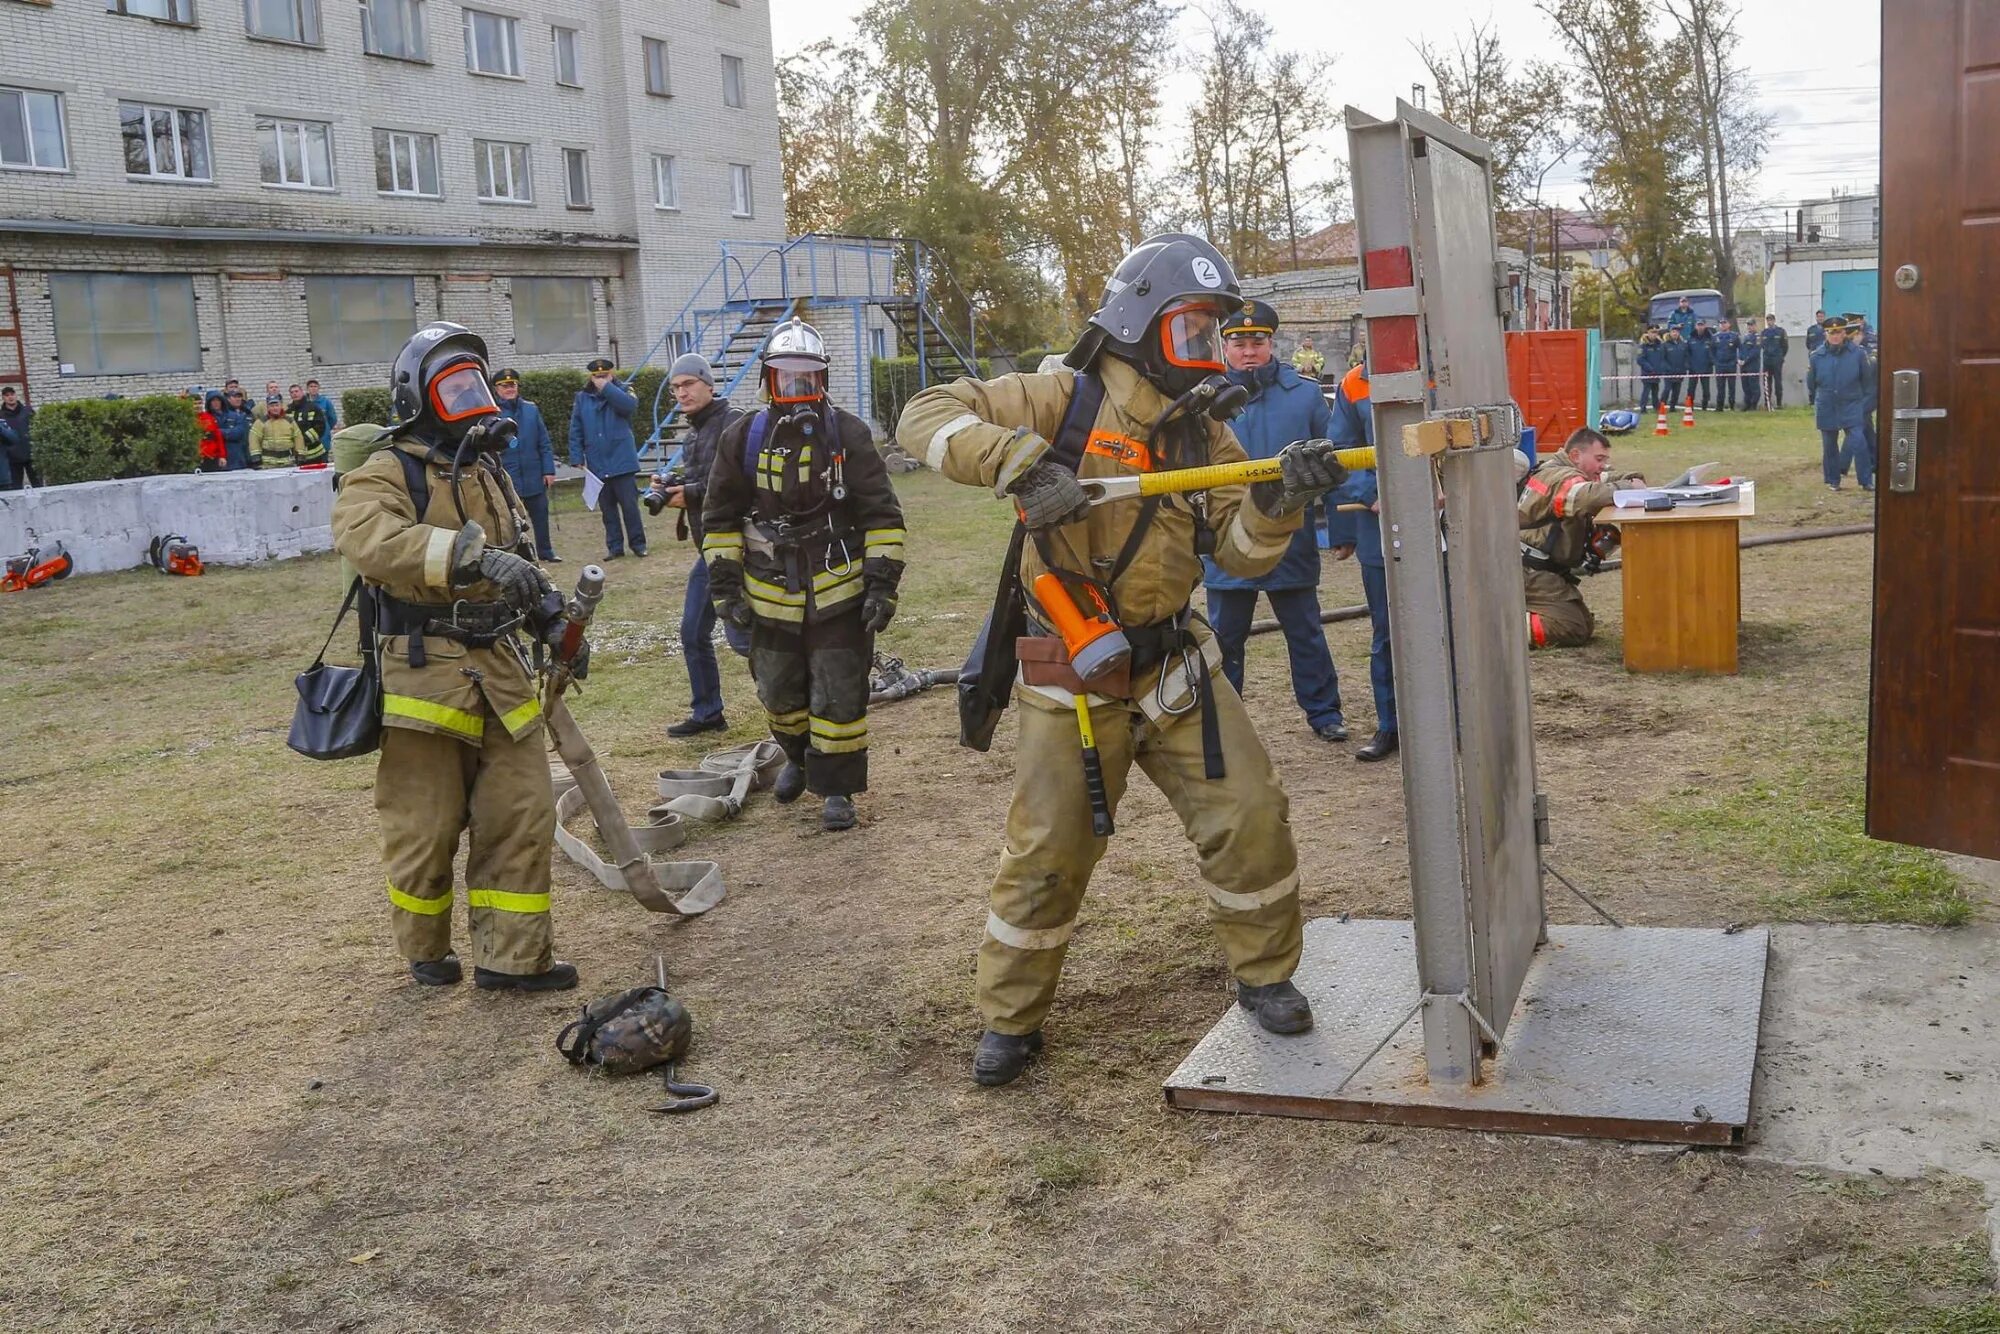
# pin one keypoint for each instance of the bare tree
(1528, 115)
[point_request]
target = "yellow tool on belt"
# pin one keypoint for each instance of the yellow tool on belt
(1177, 480)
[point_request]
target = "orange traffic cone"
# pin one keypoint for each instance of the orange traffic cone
(1687, 413)
(1660, 427)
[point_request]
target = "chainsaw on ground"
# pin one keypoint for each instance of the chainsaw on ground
(174, 554)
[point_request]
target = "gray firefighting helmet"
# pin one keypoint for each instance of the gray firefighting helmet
(795, 363)
(1168, 272)
(438, 389)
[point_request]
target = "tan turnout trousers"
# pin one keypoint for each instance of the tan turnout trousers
(1240, 826)
(429, 788)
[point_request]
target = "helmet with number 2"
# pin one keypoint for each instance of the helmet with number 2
(1162, 311)
(795, 363)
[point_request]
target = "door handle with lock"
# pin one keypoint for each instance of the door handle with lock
(1904, 414)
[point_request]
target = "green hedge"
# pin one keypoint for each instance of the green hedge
(895, 382)
(554, 392)
(100, 439)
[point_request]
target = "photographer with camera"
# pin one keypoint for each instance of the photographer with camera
(682, 487)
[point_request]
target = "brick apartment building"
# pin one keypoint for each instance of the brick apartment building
(277, 189)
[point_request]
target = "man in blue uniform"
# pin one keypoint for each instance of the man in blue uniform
(1750, 363)
(601, 440)
(1682, 320)
(1701, 362)
(530, 457)
(1284, 406)
(1674, 359)
(1651, 364)
(1728, 350)
(1776, 344)
(1840, 380)
(1354, 424)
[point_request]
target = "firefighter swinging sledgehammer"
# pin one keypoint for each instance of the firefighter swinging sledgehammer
(1145, 393)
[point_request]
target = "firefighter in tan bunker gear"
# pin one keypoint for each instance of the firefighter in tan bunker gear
(434, 528)
(1152, 349)
(1559, 502)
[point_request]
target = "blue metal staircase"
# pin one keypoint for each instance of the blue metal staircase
(826, 278)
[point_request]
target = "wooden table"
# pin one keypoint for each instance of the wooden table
(1683, 584)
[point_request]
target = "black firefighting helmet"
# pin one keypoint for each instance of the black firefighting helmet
(1162, 311)
(438, 390)
(1256, 317)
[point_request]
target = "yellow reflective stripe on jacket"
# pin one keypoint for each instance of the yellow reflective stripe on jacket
(791, 724)
(723, 544)
(522, 714)
(884, 542)
(457, 721)
(421, 907)
(774, 593)
(502, 900)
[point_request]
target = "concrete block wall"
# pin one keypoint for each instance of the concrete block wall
(236, 518)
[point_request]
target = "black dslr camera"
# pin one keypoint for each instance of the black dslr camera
(656, 495)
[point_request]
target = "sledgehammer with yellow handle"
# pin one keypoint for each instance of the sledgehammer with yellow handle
(1174, 481)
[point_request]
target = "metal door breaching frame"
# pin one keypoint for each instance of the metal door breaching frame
(1637, 1033)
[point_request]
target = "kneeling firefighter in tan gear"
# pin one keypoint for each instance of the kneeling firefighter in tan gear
(1146, 392)
(435, 530)
(1559, 503)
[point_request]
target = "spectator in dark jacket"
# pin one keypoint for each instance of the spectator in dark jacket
(1674, 360)
(601, 441)
(692, 381)
(326, 408)
(1815, 339)
(1750, 363)
(16, 420)
(1728, 351)
(1776, 344)
(1682, 319)
(530, 457)
(214, 449)
(1840, 380)
(304, 409)
(1650, 365)
(1701, 362)
(235, 421)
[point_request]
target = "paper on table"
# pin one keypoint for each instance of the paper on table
(1682, 496)
(592, 484)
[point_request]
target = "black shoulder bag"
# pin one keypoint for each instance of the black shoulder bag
(339, 713)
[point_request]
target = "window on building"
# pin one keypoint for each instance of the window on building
(393, 28)
(569, 70)
(31, 130)
(296, 153)
(359, 319)
(125, 323)
(732, 81)
(666, 181)
(553, 315)
(658, 82)
(165, 143)
(503, 172)
(406, 163)
(492, 44)
(166, 11)
(739, 190)
(576, 178)
(284, 20)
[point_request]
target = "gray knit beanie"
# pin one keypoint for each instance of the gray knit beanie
(695, 364)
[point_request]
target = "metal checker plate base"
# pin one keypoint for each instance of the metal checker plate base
(1644, 1033)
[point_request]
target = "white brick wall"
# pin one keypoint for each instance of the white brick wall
(648, 260)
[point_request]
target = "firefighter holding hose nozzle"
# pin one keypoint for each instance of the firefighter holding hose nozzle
(434, 528)
(1114, 666)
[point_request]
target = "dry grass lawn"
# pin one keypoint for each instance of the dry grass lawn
(224, 1107)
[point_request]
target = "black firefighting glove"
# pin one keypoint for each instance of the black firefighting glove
(1310, 469)
(725, 590)
(880, 577)
(1049, 496)
(522, 585)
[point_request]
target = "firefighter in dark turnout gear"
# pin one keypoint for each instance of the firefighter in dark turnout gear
(1558, 502)
(804, 541)
(1150, 351)
(432, 525)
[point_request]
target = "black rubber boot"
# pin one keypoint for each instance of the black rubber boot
(1279, 1007)
(791, 784)
(1001, 1057)
(838, 814)
(560, 977)
(437, 972)
(1380, 747)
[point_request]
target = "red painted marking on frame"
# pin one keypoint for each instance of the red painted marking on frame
(1387, 268)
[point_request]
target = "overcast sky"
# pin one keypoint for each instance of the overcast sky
(1816, 68)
